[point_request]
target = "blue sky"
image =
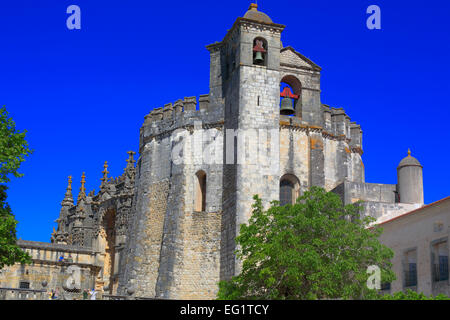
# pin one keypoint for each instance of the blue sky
(82, 94)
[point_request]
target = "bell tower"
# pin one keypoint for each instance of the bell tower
(245, 79)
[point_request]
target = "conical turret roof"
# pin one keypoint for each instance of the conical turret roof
(409, 161)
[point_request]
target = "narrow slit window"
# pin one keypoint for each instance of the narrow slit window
(200, 192)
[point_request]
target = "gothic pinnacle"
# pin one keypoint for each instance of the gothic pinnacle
(105, 173)
(83, 181)
(82, 193)
(131, 157)
(69, 186)
(68, 198)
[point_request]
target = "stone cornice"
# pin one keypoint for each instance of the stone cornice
(214, 47)
(273, 27)
(284, 124)
(318, 129)
(188, 127)
(53, 247)
(293, 66)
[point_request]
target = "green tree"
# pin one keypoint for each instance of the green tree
(412, 295)
(13, 147)
(13, 150)
(315, 249)
(10, 253)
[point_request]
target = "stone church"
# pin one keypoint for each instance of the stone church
(166, 228)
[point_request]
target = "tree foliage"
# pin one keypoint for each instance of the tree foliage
(10, 253)
(315, 249)
(13, 147)
(412, 295)
(13, 150)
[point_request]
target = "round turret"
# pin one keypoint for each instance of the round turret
(410, 180)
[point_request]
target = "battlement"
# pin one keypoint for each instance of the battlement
(187, 113)
(176, 109)
(182, 113)
(338, 123)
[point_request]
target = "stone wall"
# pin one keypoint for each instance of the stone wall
(382, 211)
(172, 145)
(190, 252)
(295, 153)
(379, 200)
(352, 191)
(47, 272)
(311, 154)
(197, 276)
(145, 236)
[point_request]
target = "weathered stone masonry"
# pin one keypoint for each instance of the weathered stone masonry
(318, 146)
(167, 227)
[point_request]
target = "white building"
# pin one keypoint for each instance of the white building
(419, 239)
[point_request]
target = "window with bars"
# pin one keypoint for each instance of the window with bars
(385, 286)
(24, 285)
(439, 256)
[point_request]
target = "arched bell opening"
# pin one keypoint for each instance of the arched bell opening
(260, 52)
(290, 93)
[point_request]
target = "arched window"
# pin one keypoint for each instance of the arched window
(200, 192)
(260, 52)
(289, 189)
(286, 191)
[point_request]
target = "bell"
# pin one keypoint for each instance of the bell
(287, 108)
(259, 57)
